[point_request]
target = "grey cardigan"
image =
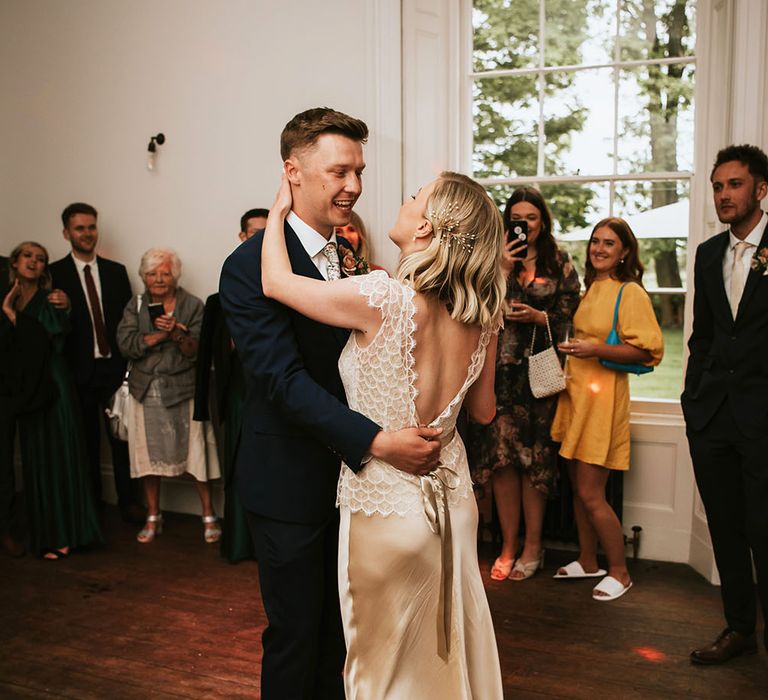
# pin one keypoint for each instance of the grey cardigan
(174, 371)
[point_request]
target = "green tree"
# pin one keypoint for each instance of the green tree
(506, 109)
(660, 29)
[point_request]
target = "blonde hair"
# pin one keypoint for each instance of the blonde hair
(45, 279)
(462, 264)
(157, 256)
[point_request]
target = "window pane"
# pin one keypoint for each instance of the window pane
(579, 32)
(656, 118)
(575, 209)
(579, 122)
(658, 214)
(666, 381)
(506, 117)
(657, 29)
(505, 37)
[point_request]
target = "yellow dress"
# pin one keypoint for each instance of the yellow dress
(592, 417)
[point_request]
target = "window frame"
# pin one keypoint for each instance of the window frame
(466, 126)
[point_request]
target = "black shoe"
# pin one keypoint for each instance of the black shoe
(728, 645)
(11, 547)
(133, 513)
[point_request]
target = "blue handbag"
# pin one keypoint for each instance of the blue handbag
(613, 339)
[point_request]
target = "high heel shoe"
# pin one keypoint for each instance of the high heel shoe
(152, 528)
(527, 569)
(500, 570)
(211, 534)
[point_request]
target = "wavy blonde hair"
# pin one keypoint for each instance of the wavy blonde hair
(468, 279)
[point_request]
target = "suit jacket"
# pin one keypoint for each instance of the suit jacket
(214, 350)
(296, 424)
(728, 358)
(115, 294)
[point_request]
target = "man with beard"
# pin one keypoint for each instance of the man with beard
(725, 400)
(97, 290)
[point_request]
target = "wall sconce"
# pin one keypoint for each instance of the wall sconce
(154, 142)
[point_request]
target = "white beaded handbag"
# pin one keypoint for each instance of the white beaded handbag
(545, 374)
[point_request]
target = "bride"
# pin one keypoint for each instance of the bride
(416, 618)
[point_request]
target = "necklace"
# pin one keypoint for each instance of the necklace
(531, 258)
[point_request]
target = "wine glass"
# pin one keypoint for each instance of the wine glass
(567, 335)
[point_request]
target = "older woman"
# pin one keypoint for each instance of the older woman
(60, 510)
(159, 333)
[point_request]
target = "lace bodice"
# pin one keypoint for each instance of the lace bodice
(380, 382)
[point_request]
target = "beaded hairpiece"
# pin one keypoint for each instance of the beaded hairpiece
(446, 223)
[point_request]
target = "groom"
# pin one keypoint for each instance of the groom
(296, 425)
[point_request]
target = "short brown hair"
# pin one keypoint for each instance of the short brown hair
(306, 127)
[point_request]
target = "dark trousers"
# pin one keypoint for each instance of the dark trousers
(304, 642)
(94, 397)
(732, 476)
(7, 476)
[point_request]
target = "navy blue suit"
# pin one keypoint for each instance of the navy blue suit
(296, 430)
(725, 403)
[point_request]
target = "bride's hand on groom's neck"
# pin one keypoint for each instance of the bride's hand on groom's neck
(412, 450)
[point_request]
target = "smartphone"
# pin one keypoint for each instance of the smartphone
(155, 311)
(518, 230)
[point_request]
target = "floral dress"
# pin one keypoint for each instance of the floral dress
(519, 436)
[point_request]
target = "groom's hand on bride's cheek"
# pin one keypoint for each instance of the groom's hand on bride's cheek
(412, 450)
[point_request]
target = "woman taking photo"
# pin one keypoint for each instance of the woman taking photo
(60, 510)
(159, 334)
(516, 451)
(592, 419)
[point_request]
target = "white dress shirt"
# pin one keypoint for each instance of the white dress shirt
(312, 241)
(753, 240)
(80, 266)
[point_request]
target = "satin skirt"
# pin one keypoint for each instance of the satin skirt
(389, 586)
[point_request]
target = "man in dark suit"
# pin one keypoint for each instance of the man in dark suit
(725, 401)
(219, 392)
(296, 425)
(97, 290)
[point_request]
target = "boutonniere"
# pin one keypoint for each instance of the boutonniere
(760, 261)
(351, 263)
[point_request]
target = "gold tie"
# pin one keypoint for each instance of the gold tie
(738, 275)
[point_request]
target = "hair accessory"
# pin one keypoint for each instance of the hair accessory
(446, 224)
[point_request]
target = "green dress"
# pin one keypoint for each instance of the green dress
(60, 507)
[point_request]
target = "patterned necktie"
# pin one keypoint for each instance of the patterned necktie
(738, 275)
(332, 255)
(99, 329)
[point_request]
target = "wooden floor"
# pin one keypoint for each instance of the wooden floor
(173, 620)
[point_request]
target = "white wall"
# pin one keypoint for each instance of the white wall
(85, 83)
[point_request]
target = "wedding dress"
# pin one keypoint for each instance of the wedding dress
(415, 613)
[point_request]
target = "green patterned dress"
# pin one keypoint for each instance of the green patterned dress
(519, 435)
